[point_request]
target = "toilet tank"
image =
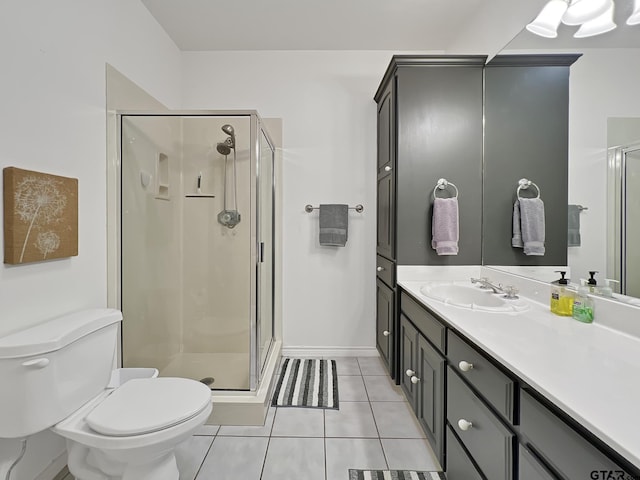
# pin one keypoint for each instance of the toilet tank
(49, 370)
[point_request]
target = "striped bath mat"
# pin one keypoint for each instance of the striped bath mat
(394, 475)
(307, 382)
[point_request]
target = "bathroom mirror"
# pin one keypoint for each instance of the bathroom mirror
(604, 115)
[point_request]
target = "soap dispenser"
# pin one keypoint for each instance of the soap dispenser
(561, 296)
(583, 306)
(592, 283)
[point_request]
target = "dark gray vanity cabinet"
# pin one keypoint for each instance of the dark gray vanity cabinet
(480, 412)
(385, 311)
(422, 366)
(429, 112)
(551, 441)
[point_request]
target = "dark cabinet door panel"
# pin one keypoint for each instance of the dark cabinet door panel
(431, 384)
(384, 322)
(459, 465)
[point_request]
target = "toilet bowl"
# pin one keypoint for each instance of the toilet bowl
(117, 424)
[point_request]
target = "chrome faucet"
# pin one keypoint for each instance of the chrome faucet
(486, 283)
(510, 292)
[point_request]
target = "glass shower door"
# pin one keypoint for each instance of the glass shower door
(265, 254)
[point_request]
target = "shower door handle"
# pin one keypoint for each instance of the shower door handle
(261, 252)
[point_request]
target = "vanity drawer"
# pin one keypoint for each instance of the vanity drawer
(428, 324)
(495, 386)
(459, 465)
(488, 440)
(385, 269)
(558, 444)
(530, 468)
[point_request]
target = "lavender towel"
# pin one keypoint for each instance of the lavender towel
(444, 226)
(528, 226)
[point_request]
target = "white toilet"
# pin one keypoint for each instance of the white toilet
(60, 373)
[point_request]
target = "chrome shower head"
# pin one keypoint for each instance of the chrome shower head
(228, 129)
(225, 147)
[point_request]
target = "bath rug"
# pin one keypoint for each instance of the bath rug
(307, 382)
(394, 475)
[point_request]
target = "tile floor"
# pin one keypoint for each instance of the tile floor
(374, 428)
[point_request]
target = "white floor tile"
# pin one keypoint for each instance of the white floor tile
(351, 389)
(191, 454)
(210, 430)
(396, 420)
(346, 365)
(409, 454)
(298, 422)
(345, 453)
(234, 457)
(354, 419)
(372, 366)
(382, 389)
(294, 459)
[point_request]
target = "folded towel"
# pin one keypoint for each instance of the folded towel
(444, 226)
(334, 222)
(528, 225)
(516, 240)
(573, 224)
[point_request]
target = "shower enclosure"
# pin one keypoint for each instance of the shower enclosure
(197, 245)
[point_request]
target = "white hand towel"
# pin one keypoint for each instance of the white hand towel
(444, 226)
(532, 225)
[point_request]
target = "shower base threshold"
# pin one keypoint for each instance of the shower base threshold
(247, 408)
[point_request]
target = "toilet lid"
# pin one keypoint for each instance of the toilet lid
(147, 405)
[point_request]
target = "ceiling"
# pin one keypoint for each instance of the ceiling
(446, 26)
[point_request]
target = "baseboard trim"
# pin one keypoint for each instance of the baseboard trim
(329, 352)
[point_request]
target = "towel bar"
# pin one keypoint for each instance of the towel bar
(442, 184)
(310, 208)
(523, 184)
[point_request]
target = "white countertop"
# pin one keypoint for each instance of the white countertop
(590, 371)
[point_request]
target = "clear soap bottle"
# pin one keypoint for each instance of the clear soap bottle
(561, 296)
(583, 306)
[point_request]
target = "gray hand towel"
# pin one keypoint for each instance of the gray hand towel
(573, 224)
(516, 240)
(444, 226)
(532, 225)
(334, 225)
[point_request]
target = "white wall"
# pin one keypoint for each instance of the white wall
(52, 93)
(603, 83)
(325, 100)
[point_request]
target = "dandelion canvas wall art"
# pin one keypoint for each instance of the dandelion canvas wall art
(40, 216)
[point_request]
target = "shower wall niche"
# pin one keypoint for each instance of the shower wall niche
(197, 294)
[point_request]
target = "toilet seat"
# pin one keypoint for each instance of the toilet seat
(143, 406)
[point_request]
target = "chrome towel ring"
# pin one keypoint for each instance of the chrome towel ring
(441, 185)
(523, 184)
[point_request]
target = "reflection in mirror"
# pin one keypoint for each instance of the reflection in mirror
(603, 85)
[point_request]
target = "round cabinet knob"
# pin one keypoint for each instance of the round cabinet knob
(465, 366)
(410, 373)
(414, 379)
(386, 333)
(380, 269)
(464, 424)
(387, 168)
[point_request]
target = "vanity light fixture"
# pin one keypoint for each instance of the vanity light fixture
(593, 16)
(634, 19)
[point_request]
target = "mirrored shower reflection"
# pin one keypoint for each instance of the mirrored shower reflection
(197, 293)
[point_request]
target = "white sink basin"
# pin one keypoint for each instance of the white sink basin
(462, 294)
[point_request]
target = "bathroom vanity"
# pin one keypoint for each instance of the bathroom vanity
(522, 394)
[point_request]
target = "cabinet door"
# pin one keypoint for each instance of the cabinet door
(384, 322)
(430, 411)
(386, 215)
(408, 355)
(386, 176)
(385, 131)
